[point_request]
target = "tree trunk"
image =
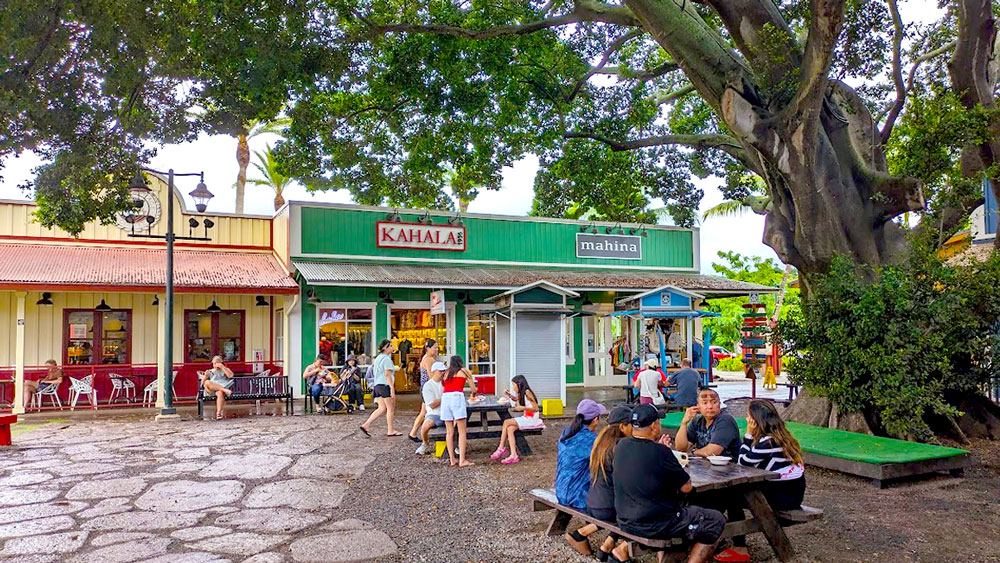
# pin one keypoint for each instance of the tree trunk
(975, 70)
(243, 159)
(463, 204)
(279, 200)
(826, 176)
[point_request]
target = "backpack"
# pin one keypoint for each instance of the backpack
(370, 376)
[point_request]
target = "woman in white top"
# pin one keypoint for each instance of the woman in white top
(525, 402)
(649, 382)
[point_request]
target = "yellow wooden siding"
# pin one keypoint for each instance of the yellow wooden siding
(17, 219)
(44, 331)
(280, 226)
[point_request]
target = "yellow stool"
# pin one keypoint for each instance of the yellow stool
(552, 407)
(368, 396)
(440, 447)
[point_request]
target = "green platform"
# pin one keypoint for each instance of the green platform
(859, 454)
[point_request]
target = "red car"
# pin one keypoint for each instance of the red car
(718, 353)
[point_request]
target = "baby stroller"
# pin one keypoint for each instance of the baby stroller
(331, 398)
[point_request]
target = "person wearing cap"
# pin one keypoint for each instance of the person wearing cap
(649, 381)
(432, 391)
(351, 374)
(573, 457)
(649, 482)
(601, 497)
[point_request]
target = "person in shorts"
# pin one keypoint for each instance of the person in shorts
(52, 379)
(453, 408)
(432, 391)
(384, 391)
(649, 482)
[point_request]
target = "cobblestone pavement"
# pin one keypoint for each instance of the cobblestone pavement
(258, 489)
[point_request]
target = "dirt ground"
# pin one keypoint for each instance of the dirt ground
(482, 513)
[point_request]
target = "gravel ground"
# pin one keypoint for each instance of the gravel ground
(436, 513)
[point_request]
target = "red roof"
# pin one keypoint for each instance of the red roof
(90, 268)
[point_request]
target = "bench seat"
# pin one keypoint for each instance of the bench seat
(545, 499)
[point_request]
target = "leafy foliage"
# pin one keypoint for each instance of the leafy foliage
(752, 269)
(730, 364)
(897, 341)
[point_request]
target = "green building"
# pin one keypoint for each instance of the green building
(511, 295)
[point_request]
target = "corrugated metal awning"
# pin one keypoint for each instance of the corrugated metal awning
(355, 274)
(91, 268)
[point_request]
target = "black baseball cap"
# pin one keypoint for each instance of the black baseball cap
(644, 415)
(620, 414)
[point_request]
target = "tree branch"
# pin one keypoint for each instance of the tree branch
(897, 72)
(605, 57)
(709, 141)
(667, 97)
(583, 11)
(640, 75)
(827, 19)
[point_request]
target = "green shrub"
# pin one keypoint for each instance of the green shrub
(896, 342)
(730, 364)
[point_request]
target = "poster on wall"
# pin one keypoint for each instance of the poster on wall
(437, 302)
(257, 355)
(78, 331)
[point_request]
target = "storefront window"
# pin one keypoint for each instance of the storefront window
(410, 330)
(211, 334)
(94, 337)
(279, 335)
(482, 339)
(345, 331)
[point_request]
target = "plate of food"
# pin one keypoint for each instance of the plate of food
(476, 399)
(718, 459)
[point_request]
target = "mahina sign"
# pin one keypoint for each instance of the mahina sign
(619, 247)
(417, 235)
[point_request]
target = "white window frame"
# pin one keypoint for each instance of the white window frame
(279, 335)
(347, 323)
(570, 329)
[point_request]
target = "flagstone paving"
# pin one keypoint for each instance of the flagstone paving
(260, 489)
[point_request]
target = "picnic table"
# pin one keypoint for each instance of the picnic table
(736, 480)
(485, 427)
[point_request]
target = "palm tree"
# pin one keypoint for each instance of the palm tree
(253, 128)
(272, 178)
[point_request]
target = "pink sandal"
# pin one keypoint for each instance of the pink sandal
(498, 454)
(510, 460)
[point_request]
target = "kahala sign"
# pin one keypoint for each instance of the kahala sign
(417, 235)
(618, 247)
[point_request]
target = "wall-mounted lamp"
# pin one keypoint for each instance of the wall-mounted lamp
(156, 300)
(102, 307)
(456, 220)
(426, 219)
(394, 216)
(385, 297)
(261, 301)
(213, 308)
(465, 298)
(312, 298)
(45, 300)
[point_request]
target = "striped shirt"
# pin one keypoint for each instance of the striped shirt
(767, 454)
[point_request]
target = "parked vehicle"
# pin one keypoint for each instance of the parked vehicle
(718, 353)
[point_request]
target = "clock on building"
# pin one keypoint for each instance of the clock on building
(146, 204)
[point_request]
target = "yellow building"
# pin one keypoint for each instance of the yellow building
(91, 303)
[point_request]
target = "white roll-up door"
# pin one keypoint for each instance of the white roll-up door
(538, 341)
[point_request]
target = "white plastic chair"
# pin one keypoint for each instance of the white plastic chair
(52, 391)
(149, 394)
(122, 388)
(79, 387)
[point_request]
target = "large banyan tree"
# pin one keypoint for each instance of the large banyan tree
(840, 121)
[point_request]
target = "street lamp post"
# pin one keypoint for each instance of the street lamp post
(201, 196)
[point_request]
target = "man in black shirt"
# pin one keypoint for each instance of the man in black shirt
(649, 483)
(714, 432)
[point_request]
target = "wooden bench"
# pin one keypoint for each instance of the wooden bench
(5, 421)
(545, 499)
(253, 388)
(474, 431)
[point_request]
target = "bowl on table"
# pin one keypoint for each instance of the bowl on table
(718, 459)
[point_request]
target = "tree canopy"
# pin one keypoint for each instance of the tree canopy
(622, 102)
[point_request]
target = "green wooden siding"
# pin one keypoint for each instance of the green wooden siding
(574, 372)
(351, 232)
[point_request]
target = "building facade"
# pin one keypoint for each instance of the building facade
(91, 302)
(511, 295)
